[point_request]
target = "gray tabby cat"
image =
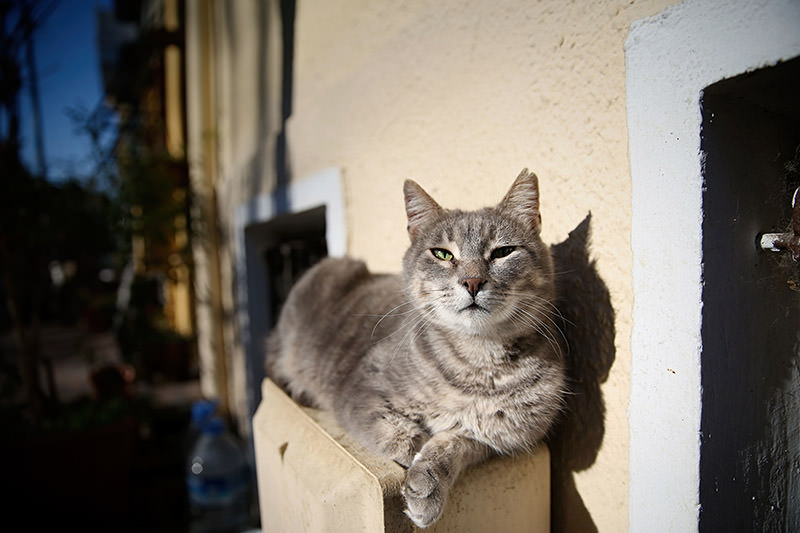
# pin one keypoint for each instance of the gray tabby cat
(457, 358)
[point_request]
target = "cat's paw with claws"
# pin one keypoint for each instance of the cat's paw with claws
(423, 493)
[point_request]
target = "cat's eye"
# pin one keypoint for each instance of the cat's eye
(503, 251)
(442, 254)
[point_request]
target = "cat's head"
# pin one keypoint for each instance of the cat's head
(484, 272)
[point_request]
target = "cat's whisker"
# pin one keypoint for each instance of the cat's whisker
(419, 330)
(432, 291)
(558, 328)
(414, 330)
(545, 333)
(548, 315)
(558, 273)
(390, 312)
(529, 295)
(542, 328)
(538, 299)
(535, 308)
(413, 315)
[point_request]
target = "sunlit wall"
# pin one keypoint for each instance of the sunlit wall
(458, 95)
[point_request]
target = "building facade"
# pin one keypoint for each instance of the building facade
(304, 118)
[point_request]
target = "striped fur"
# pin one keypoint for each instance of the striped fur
(457, 358)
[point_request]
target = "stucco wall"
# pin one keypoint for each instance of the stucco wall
(460, 96)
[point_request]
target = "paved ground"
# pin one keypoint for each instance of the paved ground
(73, 352)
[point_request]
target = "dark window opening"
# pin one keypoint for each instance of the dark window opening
(278, 251)
(299, 245)
(750, 421)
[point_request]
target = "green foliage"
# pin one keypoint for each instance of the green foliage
(149, 191)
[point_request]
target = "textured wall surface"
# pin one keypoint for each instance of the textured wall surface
(460, 95)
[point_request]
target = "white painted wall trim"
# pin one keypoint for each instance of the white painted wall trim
(322, 188)
(670, 59)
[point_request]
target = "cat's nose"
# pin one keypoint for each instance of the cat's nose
(473, 285)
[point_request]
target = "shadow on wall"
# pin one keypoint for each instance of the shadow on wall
(585, 304)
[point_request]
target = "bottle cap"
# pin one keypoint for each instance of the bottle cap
(202, 410)
(213, 426)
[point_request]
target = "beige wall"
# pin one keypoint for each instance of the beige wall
(459, 95)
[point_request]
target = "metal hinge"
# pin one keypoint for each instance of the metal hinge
(787, 241)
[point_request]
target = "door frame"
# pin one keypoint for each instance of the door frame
(670, 59)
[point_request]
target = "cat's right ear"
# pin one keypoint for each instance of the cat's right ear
(421, 209)
(522, 200)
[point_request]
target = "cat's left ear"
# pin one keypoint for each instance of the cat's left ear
(421, 209)
(522, 199)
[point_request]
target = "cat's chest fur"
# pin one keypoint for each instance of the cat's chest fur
(474, 365)
(482, 388)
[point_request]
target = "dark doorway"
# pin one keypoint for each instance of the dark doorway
(750, 426)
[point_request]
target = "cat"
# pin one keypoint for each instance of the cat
(458, 358)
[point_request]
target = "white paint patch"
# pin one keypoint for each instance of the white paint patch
(323, 188)
(670, 59)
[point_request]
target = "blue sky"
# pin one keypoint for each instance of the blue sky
(69, 76)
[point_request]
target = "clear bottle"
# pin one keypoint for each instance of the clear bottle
(218, 481)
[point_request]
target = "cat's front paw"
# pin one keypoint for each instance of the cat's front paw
(401, 451)
(423, 494)
(403, 443)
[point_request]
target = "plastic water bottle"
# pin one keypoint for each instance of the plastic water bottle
(218, 481)
(202, 411)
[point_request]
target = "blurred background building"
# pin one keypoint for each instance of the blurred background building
(141, 46)
(99, 353)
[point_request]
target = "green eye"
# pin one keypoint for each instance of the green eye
(442, 254)
(503, 251)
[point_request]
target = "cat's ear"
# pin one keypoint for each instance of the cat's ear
(522, 199)
(421, 209)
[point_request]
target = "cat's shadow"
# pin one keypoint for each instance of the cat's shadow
(585, 303)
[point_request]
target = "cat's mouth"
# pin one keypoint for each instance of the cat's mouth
(473, 307)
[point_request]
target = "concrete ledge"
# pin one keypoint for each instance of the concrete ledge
(313, 477)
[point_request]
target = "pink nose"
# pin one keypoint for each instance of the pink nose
(473, 285)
